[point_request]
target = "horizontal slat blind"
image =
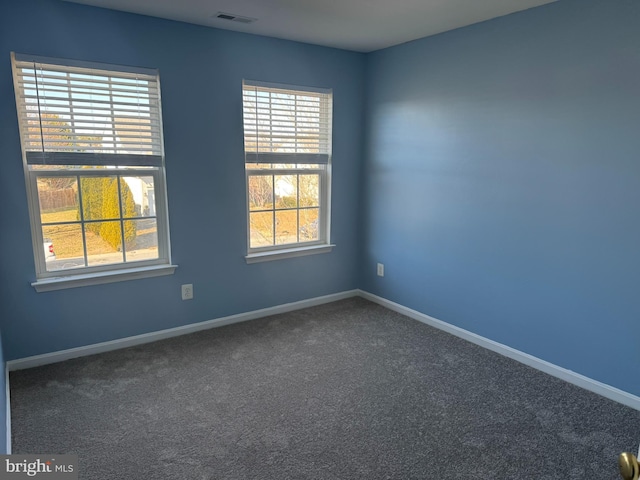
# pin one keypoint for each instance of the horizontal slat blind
(283, 125)
(72, 115)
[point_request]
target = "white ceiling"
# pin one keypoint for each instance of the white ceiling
(360, 25)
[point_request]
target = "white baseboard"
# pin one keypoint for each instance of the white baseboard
(587, 383)
(8, 409)
(62, 355)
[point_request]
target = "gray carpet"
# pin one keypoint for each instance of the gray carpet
(347, 390)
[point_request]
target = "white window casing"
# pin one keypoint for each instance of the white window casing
(287, 143)
(80, 122)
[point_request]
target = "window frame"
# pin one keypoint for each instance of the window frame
(47, 280)
(279, 162)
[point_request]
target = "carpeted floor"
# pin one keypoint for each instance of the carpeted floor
(347, 390)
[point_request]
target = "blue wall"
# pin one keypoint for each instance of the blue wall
(201, 72)
(499, 184)
(502, 182)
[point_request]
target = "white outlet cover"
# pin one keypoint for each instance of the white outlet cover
(187, 291)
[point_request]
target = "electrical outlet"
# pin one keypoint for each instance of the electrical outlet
(381, 270)
(187, 291)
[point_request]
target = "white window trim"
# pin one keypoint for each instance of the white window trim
(99, 278)
(323, 244)
(85, 276)
(267, 256)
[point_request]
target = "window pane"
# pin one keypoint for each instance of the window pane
(91, 167)
(138, 197)
(106, 244)
(63, 246)
(286, 226)
(309, 190)
(259, 166)
(49, 167)
(261, 229)
(260, 192)
(286, 189)
(145, 244)
(283, 166)
(309, 230)
(58, 198)
(127, 201)
(100, 198)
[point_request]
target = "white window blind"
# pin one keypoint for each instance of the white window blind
(72, 115)
(286, 126)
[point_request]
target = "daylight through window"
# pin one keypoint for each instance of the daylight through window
(94, 164)
(287, 141)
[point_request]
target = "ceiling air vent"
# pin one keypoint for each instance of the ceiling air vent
(234, 18)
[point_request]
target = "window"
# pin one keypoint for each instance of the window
(94, 166)
(287, 143)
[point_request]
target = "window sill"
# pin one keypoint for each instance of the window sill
(287, 253)
(83, 280)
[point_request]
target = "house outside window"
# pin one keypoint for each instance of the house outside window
(93, 159)
(287, 143)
